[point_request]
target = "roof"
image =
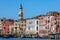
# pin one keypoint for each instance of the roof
(53, 13)
(41, 16)
(58, 17)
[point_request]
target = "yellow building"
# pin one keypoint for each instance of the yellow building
(16, 29)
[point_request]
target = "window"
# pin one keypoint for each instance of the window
(37, 33)
(28, 28)
(37, 22)
(21, 29)
(4, 27)
(8, 31)
(1, 19)
(51, 24)
(0, 30)
(48, 21)
(19, 24)
(15, 27)
(46, 27)
(55, 18)
(16, 24)
(37, 28)
(48, 17)
(22, 24)
(30, 22)
(55, 23)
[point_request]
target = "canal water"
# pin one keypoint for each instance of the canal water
(26, 39)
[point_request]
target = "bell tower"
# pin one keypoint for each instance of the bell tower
(20, 14)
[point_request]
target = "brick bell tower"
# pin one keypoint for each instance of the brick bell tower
(20, 14)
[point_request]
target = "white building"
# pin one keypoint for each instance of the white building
(32, 26)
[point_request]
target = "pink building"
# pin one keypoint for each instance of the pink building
(5, 26)
(58, 24)
(47, 25)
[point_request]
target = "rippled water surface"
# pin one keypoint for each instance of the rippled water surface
(26, 39)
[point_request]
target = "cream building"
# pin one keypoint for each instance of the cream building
(22, 22)
(16, 28)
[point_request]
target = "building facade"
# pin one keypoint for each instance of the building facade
(41, 25)
(32, 26)
(57, 16)
(16, 28)
(5, 26)
(58, 24)
(47, 25)
(0, 27)
(11, 23)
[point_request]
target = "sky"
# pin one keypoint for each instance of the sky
(31, 8)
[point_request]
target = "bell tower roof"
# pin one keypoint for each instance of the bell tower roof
(20, 14)
(21, 6)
